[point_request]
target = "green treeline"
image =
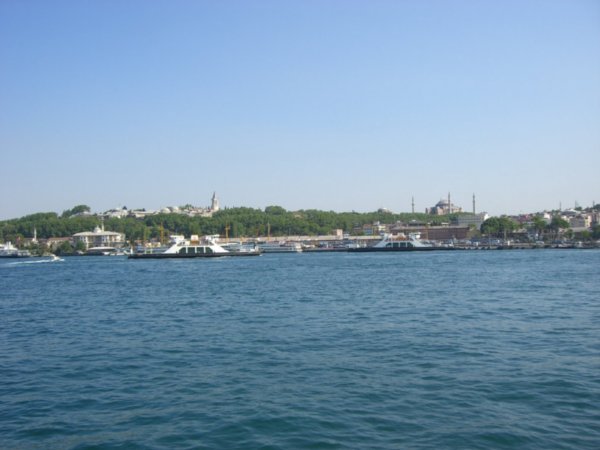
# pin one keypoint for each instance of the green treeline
(239, 222)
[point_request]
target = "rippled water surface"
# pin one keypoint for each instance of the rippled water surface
(476, 350)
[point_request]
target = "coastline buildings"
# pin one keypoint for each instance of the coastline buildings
(445, 221)
(188, 210)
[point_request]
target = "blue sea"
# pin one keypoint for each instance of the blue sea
(434, 350)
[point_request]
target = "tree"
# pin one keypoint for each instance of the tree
(275, 210)
(490, 226)
(539, 225)
(76, 210)
(498, 226)
(65, 248)
(557, 224)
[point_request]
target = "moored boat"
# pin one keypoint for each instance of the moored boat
(389, 243)
(10, 251)
(101, 251)
(239, 246)
(193, 248)
(280, 247)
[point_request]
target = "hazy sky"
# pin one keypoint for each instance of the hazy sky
(335, 105)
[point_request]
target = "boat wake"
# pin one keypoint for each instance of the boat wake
(38, 261)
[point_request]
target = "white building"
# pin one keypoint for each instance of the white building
(472, 219)
(580, 222)
(100, 238)
(117, 213)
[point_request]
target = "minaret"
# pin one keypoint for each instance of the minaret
(34, 240)
(473, 203)
(214, 204)
(449, 205)
(413, 205)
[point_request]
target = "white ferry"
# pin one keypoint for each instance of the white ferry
(193, 248)
(389, 243)
(10, 251)
(280, 247)
(239, 246)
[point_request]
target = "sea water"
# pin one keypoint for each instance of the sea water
(471, 349)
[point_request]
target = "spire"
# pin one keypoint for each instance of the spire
(413, 205)
(214, 204)
(474, 203)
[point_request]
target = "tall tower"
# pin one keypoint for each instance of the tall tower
(449, 205)
(473, 203)
(214, 204)
(413, 205)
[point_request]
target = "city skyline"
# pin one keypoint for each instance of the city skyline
(306, 105)
(199, 208)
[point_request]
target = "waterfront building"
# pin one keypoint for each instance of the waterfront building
(471, 220)
(374, 229)
(434, 233)
(581, 222)
(100, 238)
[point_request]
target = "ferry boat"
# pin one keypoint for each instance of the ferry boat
(193, 248)
(390, 244)
(239, 246)
(280, 247)
(101, 251)
(10, 251)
